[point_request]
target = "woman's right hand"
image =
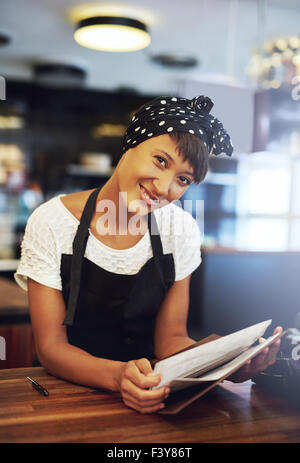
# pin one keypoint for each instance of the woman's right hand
(135, 380)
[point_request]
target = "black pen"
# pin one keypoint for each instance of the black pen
(37, 386)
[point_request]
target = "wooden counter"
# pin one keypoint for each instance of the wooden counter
(72, 413)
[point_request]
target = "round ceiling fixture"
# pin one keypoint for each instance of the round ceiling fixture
(112, 33)
(59, 75)
(4, 39)
(174, 60)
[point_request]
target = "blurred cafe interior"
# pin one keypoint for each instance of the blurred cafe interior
(66, 98)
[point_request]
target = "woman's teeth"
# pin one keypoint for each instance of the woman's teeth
(145, 195)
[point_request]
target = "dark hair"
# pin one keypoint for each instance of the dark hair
(193, 150)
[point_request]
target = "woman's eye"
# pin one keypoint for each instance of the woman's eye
(185, 180)
(161, 161)
(164, 163)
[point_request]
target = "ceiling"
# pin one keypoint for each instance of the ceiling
(221, 34)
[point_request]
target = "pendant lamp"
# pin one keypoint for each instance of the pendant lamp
(112, 33)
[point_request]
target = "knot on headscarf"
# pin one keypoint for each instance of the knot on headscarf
(202, 103)
(167, 114)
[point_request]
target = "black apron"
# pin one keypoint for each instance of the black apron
(111, 315)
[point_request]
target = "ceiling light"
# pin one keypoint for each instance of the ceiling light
(175, 60)
(59, 75)
(4, 39)
(11, 122)
(112, 33)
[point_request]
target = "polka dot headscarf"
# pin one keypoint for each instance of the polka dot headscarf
(174, 114)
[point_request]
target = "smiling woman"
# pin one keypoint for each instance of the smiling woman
(148, 177)
(107, 297)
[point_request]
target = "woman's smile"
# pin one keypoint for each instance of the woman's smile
(148, 196)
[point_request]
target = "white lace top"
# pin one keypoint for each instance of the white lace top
(51, 229)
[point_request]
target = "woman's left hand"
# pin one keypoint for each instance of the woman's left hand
(259, 363)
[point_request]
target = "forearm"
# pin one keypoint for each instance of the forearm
(74, 364)
(172, 345)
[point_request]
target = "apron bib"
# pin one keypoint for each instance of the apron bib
(111, 315)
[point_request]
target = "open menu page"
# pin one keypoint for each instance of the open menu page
(198, 360)
(225, 369)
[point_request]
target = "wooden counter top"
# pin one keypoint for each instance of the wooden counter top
(72, 413)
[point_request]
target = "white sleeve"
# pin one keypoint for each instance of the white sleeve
(188, 246)
(39, 258)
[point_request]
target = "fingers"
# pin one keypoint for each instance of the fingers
(278, 329)
(271, 353)
(144, 366)
(264, 359)
(144, 395)
(142, 408)
(274, 347)
(136, 382)
(140, 373)
(242, 374)
(145, 403)
(259, 363)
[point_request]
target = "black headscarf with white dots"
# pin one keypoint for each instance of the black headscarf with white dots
(174, 114)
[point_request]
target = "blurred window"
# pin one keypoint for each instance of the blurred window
(268, 202)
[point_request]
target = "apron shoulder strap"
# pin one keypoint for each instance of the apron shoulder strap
(154, 235)
(79, 245)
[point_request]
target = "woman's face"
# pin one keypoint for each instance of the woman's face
(153, 173)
